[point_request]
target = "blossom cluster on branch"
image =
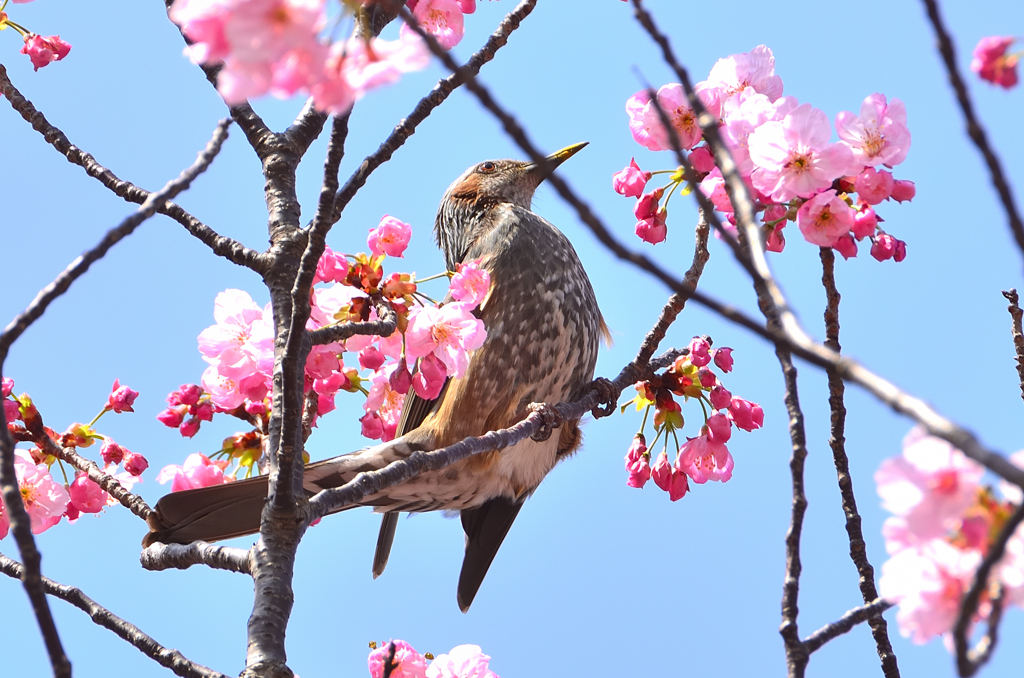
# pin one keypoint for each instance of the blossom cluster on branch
(944, 522)
(463, 661)
(784, 154)
(284, 47)
(46, 499)
(430, 344)
(706, 456)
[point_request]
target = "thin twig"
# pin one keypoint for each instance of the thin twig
(80, 265)
(968, 661)
(1016, 316)
(974, 128)
(228, 248)
(845, 623)
(837, 441)
(183, 556)
(384, 326)
(168, 658)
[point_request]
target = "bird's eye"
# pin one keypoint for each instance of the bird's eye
(487, 166)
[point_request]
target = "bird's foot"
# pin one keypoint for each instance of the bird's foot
(550, 419)
(609, 397)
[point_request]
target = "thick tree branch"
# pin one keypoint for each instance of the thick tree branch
(974, 129)
(168, 658)
(183, 556)
(222, 246)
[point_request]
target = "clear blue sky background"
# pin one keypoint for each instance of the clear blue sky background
(595, 578)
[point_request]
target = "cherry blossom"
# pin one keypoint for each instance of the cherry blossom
(873, 186)
(647, 127)
(407, 663)
(449, 332)
(197, 471)
(391, 237)
(825, 218)
(121, 398)
(992, 63)
(85, 495)
(630, 182)
(794, 157)
(430, 377)
(462, 661)
(754, 69)
(879, 135)
(723, 358)
(653, 229)
(706, 457)
(441, 18)
(930, 485)
(385, 402)
(44, 51)
(745, 414)
(44, 500)
(470, 283)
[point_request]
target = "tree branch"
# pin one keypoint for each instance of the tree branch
(171, 659)
(539, 422)
(183, 556)
(974, 129)
(845, 623)
(1018, 336)
(385, 326)
(837, 441)
(968, 661)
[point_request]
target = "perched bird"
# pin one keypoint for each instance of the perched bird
(543, 329)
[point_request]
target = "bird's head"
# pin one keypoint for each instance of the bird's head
(483, 186)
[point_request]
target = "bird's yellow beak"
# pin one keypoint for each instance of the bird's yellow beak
(556, 158)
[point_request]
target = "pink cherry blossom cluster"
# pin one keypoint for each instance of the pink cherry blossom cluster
(992, 63)
(463, 661)
(47, 500)
(279, 47)
(784, 154)
(41, 50)
(944, 521)
(705, 457)
(432, 343)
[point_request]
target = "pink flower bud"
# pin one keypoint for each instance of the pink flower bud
(134, 463)
(723, 358)
(86, 496)
(699, 351)
(873, 186)
(661, 473)
(884, 247)
(111, 452)
(372, 426)
(189, 428)
(900, 253)
(121, 398)
(846, 246)
(864, 222)
(189, 394)
(256, 409)
(400, 379)
(637, 464)
(746, 415)
(776, 241)
(430, 377)
(719, 427)
(630, 182)
(370, 358)
(706, 377)
(6, 386)
(44, 51)
(647, 206)
(172, 416)
(11, 410)
(653, 230)
(332, 267)
(702, 160)
(903, 190)
(678, 485)
(202, 411)
(720, 398)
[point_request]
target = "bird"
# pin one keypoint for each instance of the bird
(543, 328)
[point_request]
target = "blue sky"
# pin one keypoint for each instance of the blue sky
(595, 578)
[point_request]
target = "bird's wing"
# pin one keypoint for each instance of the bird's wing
(414, 410)
(486, 527)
